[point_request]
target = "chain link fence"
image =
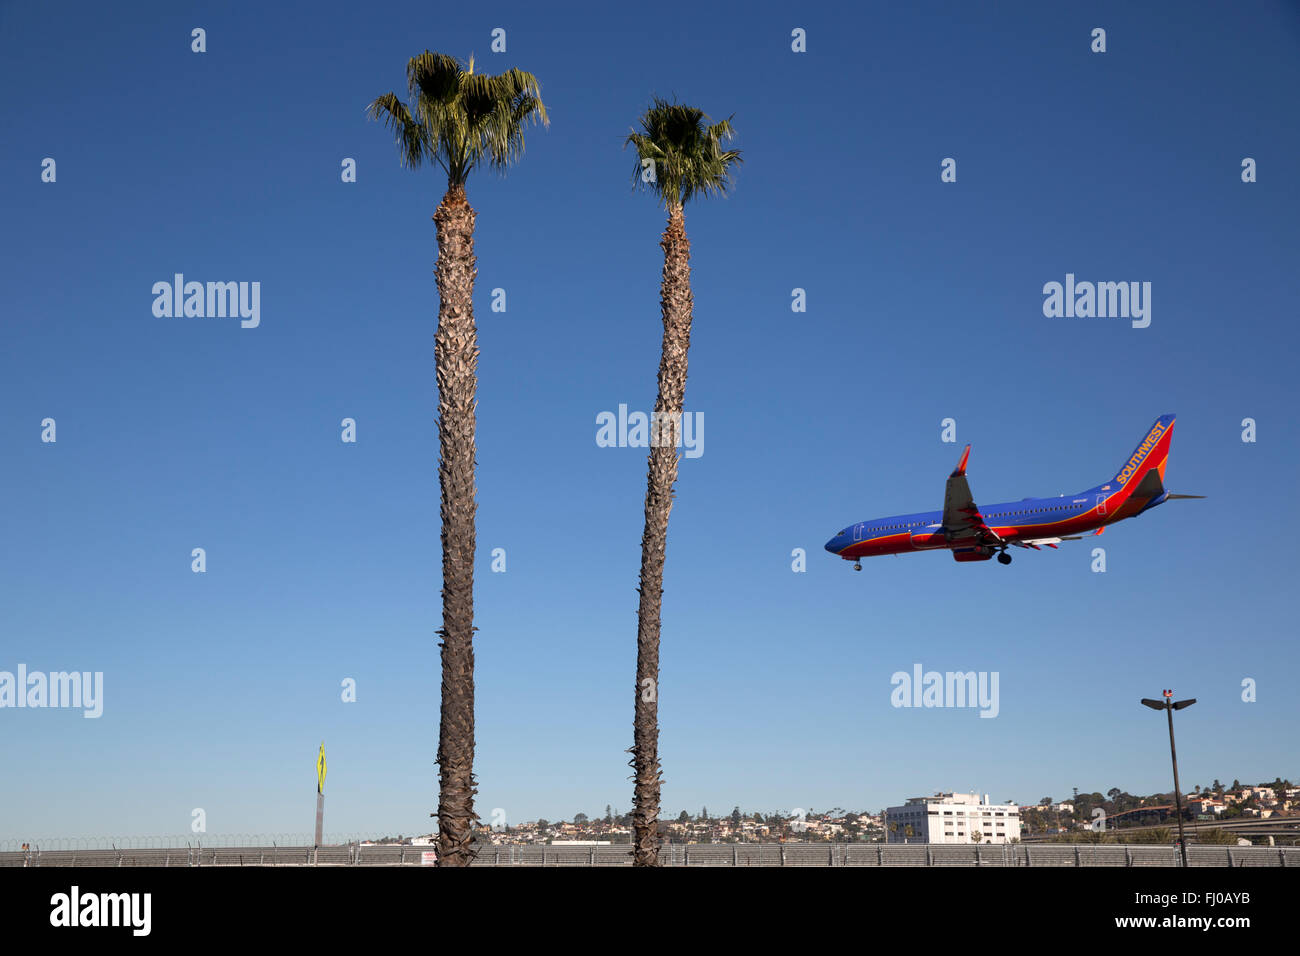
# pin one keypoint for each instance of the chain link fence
(268, 850)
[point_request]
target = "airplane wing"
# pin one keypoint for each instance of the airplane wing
(965, 525)
(962, 520)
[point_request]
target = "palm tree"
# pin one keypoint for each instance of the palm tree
(457, 119)
(679, 156)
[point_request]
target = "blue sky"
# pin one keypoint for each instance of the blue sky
(924, 302)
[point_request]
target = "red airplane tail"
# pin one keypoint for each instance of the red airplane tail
(1151, 454)
(1140, 483)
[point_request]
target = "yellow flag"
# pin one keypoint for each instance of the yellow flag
(320, 769)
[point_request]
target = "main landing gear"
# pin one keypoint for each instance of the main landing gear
(1003, 557)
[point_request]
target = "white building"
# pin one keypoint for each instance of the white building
(952, 818)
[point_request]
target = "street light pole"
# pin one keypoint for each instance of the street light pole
(1169, 706)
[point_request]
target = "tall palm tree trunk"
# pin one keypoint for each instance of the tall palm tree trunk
(455, 353)
(676, 303)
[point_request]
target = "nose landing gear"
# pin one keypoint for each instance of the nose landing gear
(857, 565)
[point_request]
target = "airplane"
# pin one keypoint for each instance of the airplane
(973, 533)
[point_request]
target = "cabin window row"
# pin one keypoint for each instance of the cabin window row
(995, 514)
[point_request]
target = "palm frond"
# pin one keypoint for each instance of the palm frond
(460, 118)
(686, 151)
(412, 145)
(435, 76)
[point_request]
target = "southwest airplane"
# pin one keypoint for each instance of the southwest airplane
(973, 533)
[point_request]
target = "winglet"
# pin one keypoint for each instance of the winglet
(961, 465)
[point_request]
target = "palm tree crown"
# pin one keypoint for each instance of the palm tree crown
(457, 118)
(687, 153)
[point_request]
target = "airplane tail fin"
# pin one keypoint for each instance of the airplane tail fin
(1148, 461)
(1141, 482)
